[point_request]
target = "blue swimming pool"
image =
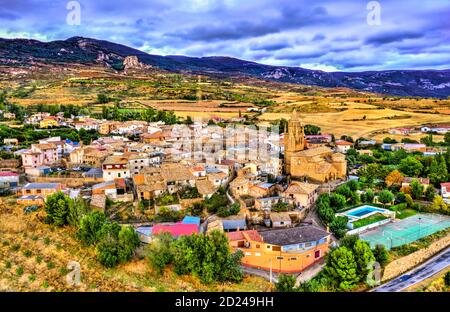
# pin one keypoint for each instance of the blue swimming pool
(364, 210)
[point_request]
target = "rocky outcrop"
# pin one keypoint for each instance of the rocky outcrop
(132, 62)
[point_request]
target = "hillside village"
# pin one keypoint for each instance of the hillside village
(283, 198)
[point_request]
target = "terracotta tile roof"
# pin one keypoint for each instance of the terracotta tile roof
(205, 187)
(115, 159)
(314, 151)
(240, 235)
(175, 172)
(280, 216)
(344, 143)
(301, 188)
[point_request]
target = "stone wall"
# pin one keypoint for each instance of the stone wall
(404, 264)
(70, 182)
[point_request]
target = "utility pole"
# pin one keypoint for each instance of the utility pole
(270, 270)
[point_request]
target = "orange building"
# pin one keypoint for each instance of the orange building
(289, 250)
(36, 193)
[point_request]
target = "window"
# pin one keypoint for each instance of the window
(293, 258)
(280, 258)
(317, 254)
(258, 246)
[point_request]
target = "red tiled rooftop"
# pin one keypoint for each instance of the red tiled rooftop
(343, 143)
(176, 229)
(239, 235)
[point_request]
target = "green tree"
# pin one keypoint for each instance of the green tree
(337, 201)
(368, 196)
(372, 172)
(349, 241)
(107, 252)
(339, 226)
(353, 185)
(188, 120)
(438, 170)
(363, 256)
(410, 166)
(430, 193)
(90, 227)
(341, 266)
(196, 209)
(439, 205)
(401, 197)
(208, 257)
(128, 241)
(447, 138)
(385, 197)
(344, 190)
(77, 209)
(286, 283)
(381, 255)
(312, 129)
(57, 208)
(416, 189)
(159, 253)
(116, 245)
(409, 201)
(103, 98)
(447, 277)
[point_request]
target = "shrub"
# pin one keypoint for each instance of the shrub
(381, 254)
(286, 283)
(57, 208)
(90, 227)
(27, 253)
(117, 244)
(159, 252)
(447, 279)
(50, 265)
(339, 226)
(19, 271)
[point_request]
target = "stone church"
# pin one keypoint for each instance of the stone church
(319, 164)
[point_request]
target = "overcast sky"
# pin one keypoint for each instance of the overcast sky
(319, 34)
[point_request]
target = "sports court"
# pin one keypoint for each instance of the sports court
(407, 230)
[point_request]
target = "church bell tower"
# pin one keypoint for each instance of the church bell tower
(294, 140)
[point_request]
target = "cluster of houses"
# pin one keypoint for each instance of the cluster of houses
(438, 129)
(139, 162)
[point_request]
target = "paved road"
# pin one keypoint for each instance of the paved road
(433, 266)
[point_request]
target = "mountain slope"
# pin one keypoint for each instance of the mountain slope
(23, 52)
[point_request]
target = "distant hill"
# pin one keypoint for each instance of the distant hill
(23, 52)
